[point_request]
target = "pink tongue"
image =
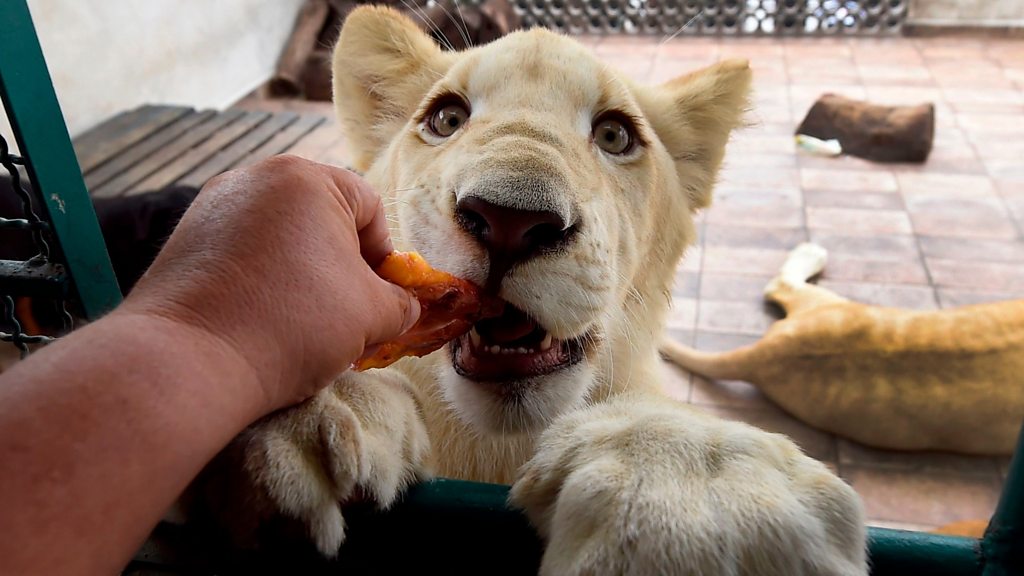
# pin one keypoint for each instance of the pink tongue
(509, 327)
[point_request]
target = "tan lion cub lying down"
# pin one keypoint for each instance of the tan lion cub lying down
(531, 168)
(938, 380)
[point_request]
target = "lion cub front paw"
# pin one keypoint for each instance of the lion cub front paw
(361, 438)
(645, 487)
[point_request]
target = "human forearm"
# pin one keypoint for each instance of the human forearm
(82, 423)
(262, 295)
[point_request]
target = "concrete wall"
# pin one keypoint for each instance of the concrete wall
(967, 12)
(106, 56)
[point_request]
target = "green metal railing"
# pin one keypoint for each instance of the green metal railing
(456, 527)
(66, 232)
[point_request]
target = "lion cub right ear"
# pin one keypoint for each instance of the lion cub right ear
(383, 66)
(694, 115)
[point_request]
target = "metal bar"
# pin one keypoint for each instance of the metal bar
(491, 538)
(34, 277)
(1003, 544)
(32, 107)
(901, 552)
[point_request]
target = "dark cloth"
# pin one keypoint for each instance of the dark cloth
(134, 229)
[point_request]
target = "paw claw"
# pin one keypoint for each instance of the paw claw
(646, 487)
(355, 440)
(327, 530)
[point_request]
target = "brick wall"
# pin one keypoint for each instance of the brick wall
(967, 12)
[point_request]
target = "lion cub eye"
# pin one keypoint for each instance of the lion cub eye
(447, 118)
(614, 136)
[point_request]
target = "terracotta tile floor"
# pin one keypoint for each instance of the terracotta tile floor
(941, 234)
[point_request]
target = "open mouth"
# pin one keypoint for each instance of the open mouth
(512, 347)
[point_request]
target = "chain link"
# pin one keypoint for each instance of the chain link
(671, 18)
(18, 337)
(31, 220)
(39, 229)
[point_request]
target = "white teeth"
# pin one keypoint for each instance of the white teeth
(496, 349)
(545, 344)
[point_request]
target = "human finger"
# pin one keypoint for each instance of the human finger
(368, 211)
(397, 311)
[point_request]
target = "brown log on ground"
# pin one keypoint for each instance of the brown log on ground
(459, 25)
(304, 68)
(466, 25)
(879, 133)
(342, 8)
(287, 80)
(502, 14)
(316, 76)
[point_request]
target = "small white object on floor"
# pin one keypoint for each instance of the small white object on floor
(818, 147)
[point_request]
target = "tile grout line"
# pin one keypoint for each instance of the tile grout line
(700, 287)
(1018, 226)
(903, 199)
(918, 245)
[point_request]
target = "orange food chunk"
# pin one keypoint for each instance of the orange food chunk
(449, 308)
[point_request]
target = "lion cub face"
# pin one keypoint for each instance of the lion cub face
(529, 167)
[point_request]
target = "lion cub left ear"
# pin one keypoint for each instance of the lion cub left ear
(383, 66)
(693, 116)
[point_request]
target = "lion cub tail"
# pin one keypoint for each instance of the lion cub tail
(732, 365)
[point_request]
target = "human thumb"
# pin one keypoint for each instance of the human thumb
(399, 312)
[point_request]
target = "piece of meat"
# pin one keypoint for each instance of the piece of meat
(449, 308)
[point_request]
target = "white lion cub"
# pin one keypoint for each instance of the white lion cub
(531, 168)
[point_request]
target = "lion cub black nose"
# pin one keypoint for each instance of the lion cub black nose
(510, 235)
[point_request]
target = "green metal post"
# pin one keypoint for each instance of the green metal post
(1003, 544)
(32, 107)
(468, 528)
(902, 552)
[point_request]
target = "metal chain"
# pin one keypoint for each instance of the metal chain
(39, 229)
(32, 221)
(671, 18)
(17, 337)
(67, 321)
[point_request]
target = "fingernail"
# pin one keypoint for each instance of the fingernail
(413, 316)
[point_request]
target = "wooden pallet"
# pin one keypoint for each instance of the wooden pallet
(155, 146)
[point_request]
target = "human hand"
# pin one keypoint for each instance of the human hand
(275, 262)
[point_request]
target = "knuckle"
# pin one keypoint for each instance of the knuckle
(284, 163)
(221, 179)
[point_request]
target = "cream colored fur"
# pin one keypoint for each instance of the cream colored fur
(618, 478)
(908, 380)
